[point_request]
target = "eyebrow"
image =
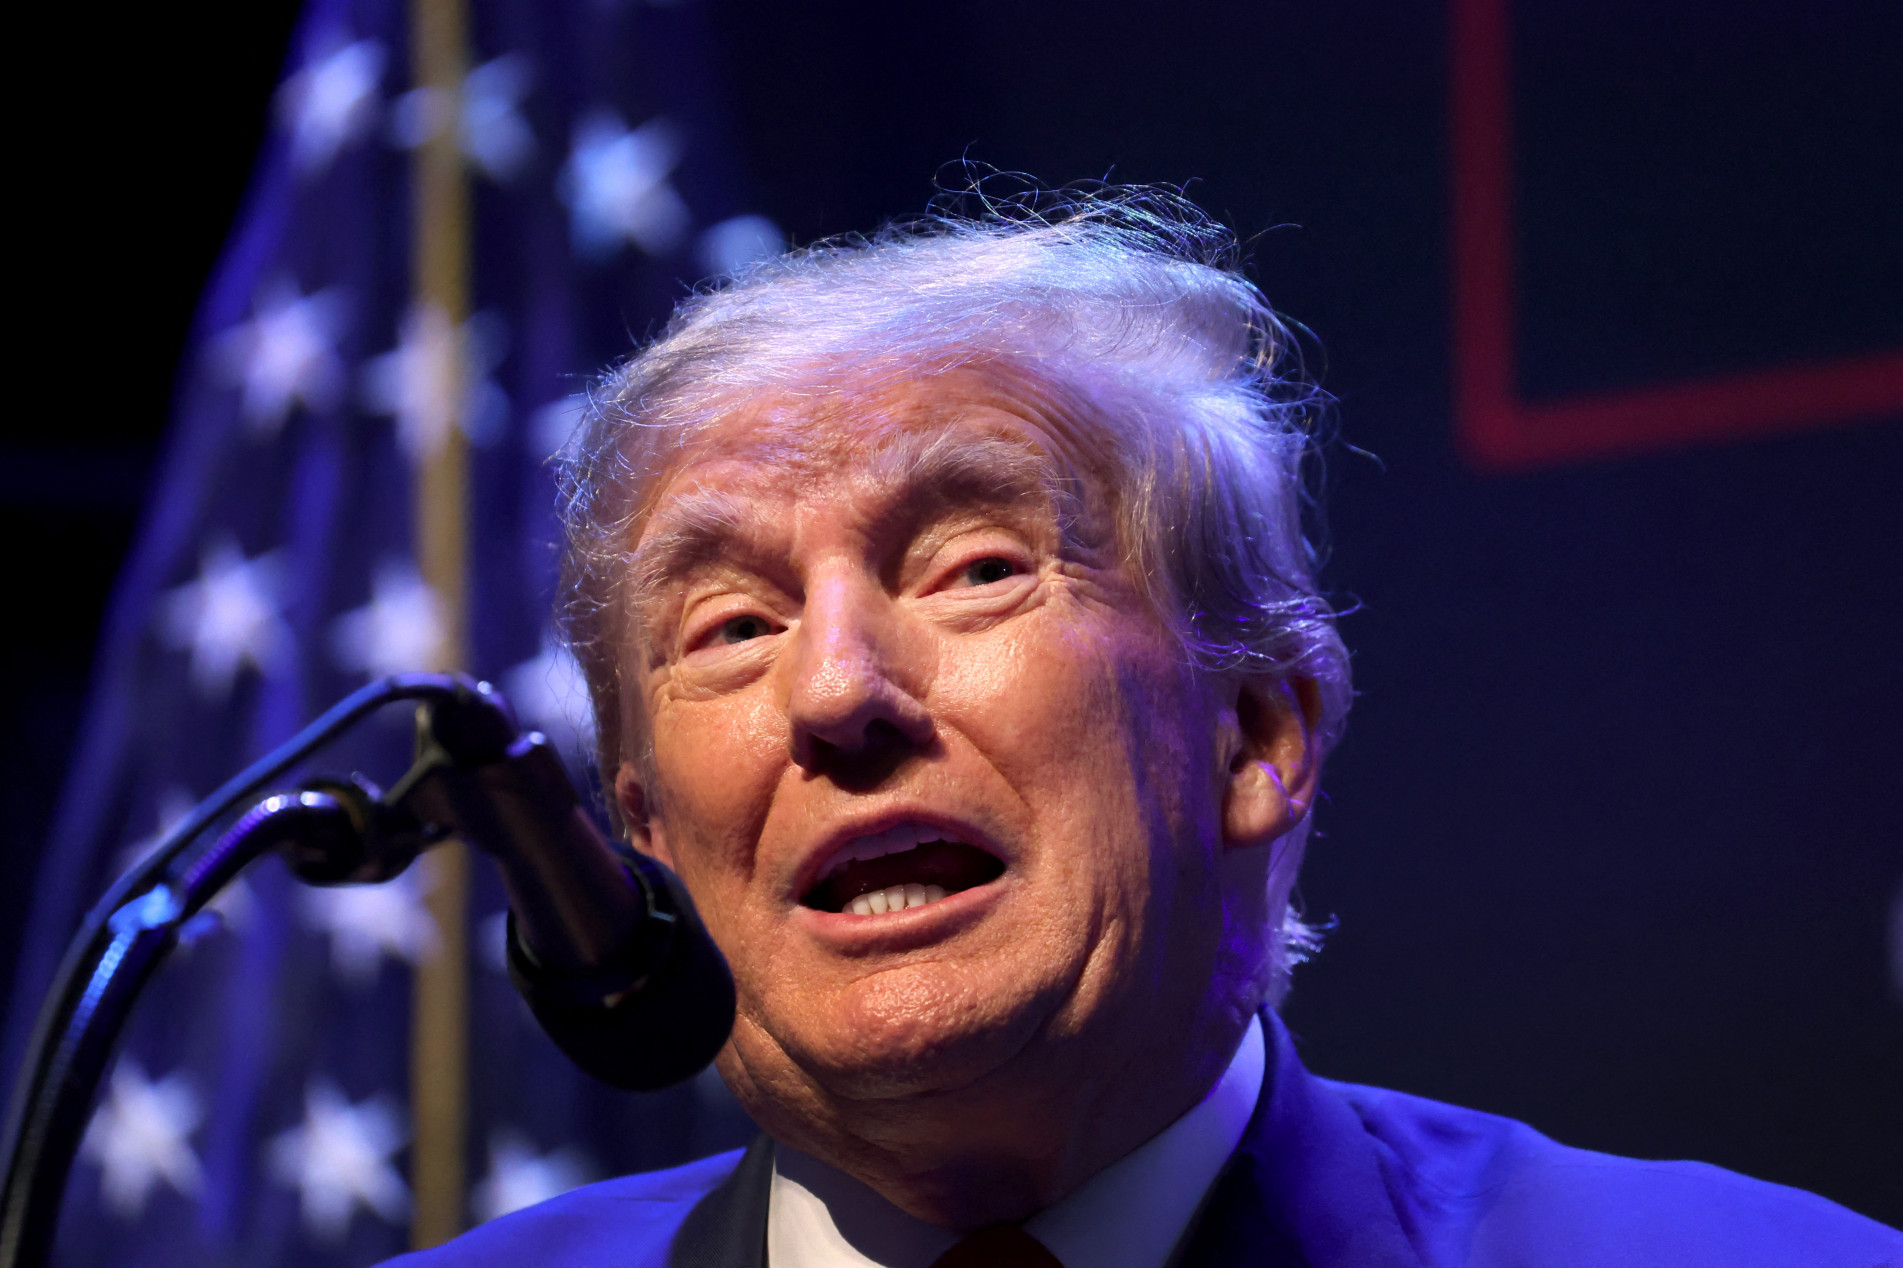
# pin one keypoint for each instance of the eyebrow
(698, 528)
(921, 476)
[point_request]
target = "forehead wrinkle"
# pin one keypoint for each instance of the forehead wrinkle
(917, 474)
(905, 469)
(904, 477)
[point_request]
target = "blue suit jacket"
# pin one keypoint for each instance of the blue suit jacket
(1328, 1175)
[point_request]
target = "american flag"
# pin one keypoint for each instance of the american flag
(259, 1111)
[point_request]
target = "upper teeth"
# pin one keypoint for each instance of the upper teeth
(906, 836)
(895, 898)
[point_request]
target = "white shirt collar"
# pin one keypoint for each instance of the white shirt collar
(1129, 1215)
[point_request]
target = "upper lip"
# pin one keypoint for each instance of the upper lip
(814, 865)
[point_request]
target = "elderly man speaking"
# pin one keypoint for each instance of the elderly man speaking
(952, 634)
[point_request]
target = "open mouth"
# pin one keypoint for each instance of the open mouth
(911, 865)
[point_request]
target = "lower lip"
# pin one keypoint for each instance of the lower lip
(900, 930)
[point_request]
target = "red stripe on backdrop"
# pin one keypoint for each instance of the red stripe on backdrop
(1495, 430)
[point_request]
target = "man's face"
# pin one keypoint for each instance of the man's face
(939, 778)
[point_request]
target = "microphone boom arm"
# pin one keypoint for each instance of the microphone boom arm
(604, 944)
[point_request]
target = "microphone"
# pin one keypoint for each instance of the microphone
(604, 943)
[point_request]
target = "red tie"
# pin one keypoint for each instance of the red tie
(998, 1246)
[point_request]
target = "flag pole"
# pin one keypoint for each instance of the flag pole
(439, 1020)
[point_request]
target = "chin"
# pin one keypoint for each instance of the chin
(914, 1031)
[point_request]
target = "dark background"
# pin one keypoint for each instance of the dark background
(1613, 843)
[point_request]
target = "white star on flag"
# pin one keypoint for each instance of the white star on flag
(232, 906)
(490, 130)
(550, 694)
(519, 1177)
(229, 617)
(138, 1138)
(436, 380)
(365, 923)
(285, 355)
(615, 185)
(174, 804)
(330, 102)
(554, 425)
(733, 244)
(401, 629)
(339, 1158)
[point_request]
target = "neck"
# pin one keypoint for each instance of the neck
(1132, 1214)
(1007, 1145)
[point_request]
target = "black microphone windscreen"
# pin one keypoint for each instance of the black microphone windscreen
(663, 1032)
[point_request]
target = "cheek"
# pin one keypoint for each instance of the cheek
(1087, 722)
(716, 762)
(1028, 697)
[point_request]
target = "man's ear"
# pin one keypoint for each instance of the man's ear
(631, 795)
(1273, 770)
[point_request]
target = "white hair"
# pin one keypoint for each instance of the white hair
(1128, 299)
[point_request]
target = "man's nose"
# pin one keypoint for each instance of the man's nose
(851, 696)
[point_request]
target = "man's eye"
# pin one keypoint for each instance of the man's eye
(986, 571)
(742, 628)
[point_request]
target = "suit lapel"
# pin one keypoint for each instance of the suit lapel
(1304, 1189)
(727, 1228)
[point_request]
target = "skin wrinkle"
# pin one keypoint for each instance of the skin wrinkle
(793, 437)
(983, 1070)
(789, 446)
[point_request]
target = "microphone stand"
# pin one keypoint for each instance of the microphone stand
(626, 982)
(141, 933)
